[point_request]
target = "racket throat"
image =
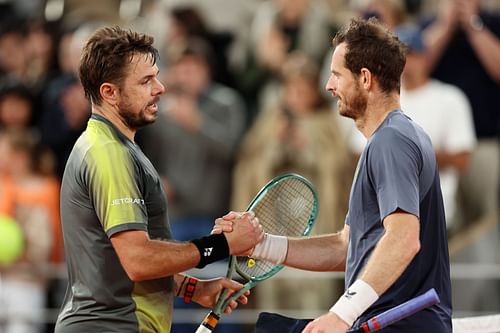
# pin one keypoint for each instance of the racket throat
(211, 321)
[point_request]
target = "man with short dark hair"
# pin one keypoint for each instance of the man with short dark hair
(393, 246)
(123, 270)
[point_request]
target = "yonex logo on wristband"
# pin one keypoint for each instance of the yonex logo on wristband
(208, 251)
(211, 248)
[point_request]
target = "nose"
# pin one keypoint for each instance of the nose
(331, 86)
(160, 88)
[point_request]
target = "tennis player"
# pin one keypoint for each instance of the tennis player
(393, 246)
(123, 270)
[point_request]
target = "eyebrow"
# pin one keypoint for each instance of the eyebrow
(151, 75)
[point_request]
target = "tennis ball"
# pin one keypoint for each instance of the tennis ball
(11, 241)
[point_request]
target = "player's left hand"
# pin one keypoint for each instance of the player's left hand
(207, 293)
(327, 323)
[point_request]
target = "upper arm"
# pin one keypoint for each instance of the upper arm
(114, 189)
(403, 227)
(128, 245)
(394, 166)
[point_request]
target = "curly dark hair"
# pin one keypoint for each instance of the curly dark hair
(106, 56)
(371, 45)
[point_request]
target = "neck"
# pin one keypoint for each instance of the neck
(376, 112)
(112, 115)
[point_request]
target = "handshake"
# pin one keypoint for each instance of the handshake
(246, 237)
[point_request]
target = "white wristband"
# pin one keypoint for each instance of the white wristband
(272, 248)
(358, 297)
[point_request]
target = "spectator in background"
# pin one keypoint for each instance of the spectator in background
(34, 203)
(463, 44)
(186, 23)
(41, 49)
(13, 55)
(443, 111)
(278, 28)
(298, 134)
(66, 109)
(16, 106)
(391, 13)
(193, 142)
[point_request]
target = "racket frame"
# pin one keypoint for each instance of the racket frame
(211, 320)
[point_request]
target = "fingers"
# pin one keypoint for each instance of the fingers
(225, 223)
(245, 233)
(233, 304)
(222, 225)
(237, 215)
(232, 287)
(232, 215)
(262, 233)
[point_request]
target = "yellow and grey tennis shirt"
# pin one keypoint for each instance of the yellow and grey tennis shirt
(109, 186)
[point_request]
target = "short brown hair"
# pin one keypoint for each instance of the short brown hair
(371, 45)
(106, 56)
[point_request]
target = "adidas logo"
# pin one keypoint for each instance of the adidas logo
(208, 251)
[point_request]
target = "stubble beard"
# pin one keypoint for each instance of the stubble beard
(135, 120)
(354, 108)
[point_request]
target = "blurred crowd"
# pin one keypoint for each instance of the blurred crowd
(244, 102)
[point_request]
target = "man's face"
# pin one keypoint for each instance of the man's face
(140, 92)
(190, 74)
(352, 99)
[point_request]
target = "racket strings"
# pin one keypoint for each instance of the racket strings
(286, 209)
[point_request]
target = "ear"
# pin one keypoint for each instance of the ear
(110, 93)
(365, 78)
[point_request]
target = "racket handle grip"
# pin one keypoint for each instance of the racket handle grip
(209, 323)
(397, 313)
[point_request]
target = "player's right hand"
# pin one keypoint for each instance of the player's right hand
(225, 223)
(242, 230)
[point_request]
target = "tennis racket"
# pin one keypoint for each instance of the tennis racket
(399, 312)
(286, 206)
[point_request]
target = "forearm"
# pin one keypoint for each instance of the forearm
(329, 253)
(152, 259)
(146, 259)
(393, 253)
(436, 38)
(459, 161)
(487, 48)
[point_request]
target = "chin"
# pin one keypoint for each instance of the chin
(344, 113)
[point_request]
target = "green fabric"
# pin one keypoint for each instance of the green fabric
(109, 186)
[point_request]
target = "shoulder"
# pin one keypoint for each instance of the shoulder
(400, 135)
(399, 128)
(104, 151)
